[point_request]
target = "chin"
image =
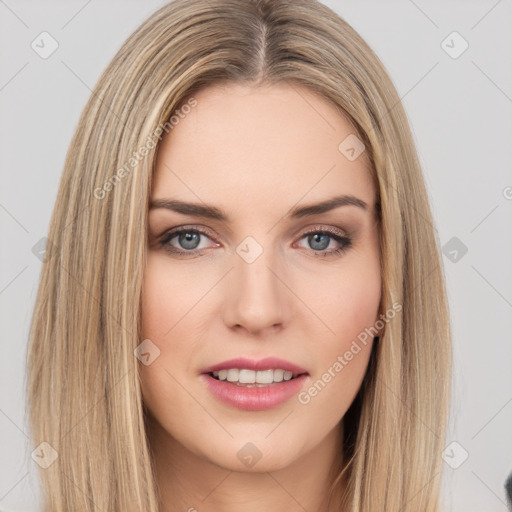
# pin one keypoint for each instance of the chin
(254, 454)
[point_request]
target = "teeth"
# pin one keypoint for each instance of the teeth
(244, 376)
(278, 375)
(232, 375)
(247, 377)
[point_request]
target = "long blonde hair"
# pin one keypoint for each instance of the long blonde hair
(83, 389)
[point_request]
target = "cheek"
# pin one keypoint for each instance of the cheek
(158, 301)
(349, 307)
(168, 295)
(354, 305)
(342, 360)
(161, 310)
(347, 301)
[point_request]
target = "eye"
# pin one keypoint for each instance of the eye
(319, 239)
(188, 241)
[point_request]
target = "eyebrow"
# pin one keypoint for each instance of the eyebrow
(212, 212)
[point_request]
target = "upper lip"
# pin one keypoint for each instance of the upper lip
(268, 363)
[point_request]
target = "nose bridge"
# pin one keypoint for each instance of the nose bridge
(257, 298)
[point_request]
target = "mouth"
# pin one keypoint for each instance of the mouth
(254, 396)
(245, 377)
(254, 385)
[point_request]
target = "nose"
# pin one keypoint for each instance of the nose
(257, 300)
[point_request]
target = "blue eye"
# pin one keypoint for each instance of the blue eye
(319, 240)
(189, 239)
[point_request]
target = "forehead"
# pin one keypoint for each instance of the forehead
(259, 146)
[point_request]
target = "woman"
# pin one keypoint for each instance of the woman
(244, 304)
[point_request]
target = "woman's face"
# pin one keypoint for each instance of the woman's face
(248, 277)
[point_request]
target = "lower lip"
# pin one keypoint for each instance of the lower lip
(254, 398)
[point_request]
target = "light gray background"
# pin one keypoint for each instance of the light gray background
(460, 111)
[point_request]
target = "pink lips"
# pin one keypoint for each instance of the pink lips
(255, 398)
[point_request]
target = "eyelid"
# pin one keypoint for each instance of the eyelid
(328, 229)
(203, 230)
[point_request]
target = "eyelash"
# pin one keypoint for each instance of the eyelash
(344, 240)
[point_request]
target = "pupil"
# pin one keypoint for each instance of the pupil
(316, 237)
(189, 240)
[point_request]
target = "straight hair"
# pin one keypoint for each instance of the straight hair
(83, 387)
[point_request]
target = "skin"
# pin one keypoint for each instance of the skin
(255, 153)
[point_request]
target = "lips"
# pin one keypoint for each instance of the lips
(250, 395)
